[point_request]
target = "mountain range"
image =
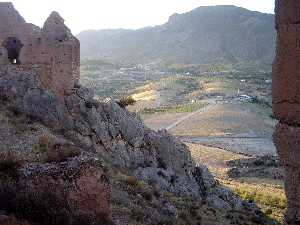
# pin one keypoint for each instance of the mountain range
(205, 35)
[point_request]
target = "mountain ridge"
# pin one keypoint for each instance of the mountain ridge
(225, 34)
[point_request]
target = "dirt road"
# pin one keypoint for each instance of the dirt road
(189, 115)
(235, 126)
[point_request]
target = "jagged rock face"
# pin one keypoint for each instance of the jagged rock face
(60, 193)
(286, 105)
(53, 49)
(115, 135)
(105, 128)
(82, 180)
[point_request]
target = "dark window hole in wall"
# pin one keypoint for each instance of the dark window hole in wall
(13, 46)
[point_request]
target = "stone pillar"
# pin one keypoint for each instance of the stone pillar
(286, 101)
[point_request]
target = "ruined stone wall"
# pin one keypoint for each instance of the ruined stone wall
(286, 101)
(53, 49)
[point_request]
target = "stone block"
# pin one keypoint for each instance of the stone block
(292, 188)
(286, 75)
(287, 12)
(53, 48)
(287, 141)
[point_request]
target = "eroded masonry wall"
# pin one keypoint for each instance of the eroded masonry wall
(52, 49)
(286, 101)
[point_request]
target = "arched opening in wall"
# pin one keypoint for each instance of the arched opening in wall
(13, 46)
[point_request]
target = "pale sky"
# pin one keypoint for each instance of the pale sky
(130, 14)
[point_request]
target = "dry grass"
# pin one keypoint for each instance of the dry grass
(51, 151)
(266, 193)
(12, 220)
(214, 158)
(182, 108)
(271, 199)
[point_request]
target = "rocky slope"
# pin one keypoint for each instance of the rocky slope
(81, 161)
(217, 34)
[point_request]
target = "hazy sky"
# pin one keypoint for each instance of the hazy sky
(101, 14)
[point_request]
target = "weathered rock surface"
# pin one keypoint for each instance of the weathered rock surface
(106, 129)
(82, 179)
(59, 193)
(119, 138)
(286, 105)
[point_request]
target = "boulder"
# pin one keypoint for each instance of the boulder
(60, 193)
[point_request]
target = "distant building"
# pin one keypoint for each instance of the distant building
(268, 81)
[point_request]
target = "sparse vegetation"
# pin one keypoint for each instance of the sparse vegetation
(131, 180)
(261, 197)
(55, 152)
(61, 154)
(126, 101)
(273, 204)
(266, 193)
(185, 108)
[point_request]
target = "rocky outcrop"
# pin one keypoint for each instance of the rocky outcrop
(286, 105)
(59, 193)
(116, 136)
(107, 129)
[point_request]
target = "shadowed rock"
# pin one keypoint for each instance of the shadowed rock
(286, 103)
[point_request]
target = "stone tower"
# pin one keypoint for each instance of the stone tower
(52, 50)
(286, 101)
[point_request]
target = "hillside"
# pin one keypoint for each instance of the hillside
(223, 34)
(68, 158)
(59, 148)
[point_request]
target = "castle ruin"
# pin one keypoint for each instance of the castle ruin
(52, 50)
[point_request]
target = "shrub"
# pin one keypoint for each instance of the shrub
(161, 163)
(131, 180)
(44, 143)
(126, 101)
(269, 211)
(9, 165)
(147, 195)
(61, 154)
(15, 110)
(55, 152)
